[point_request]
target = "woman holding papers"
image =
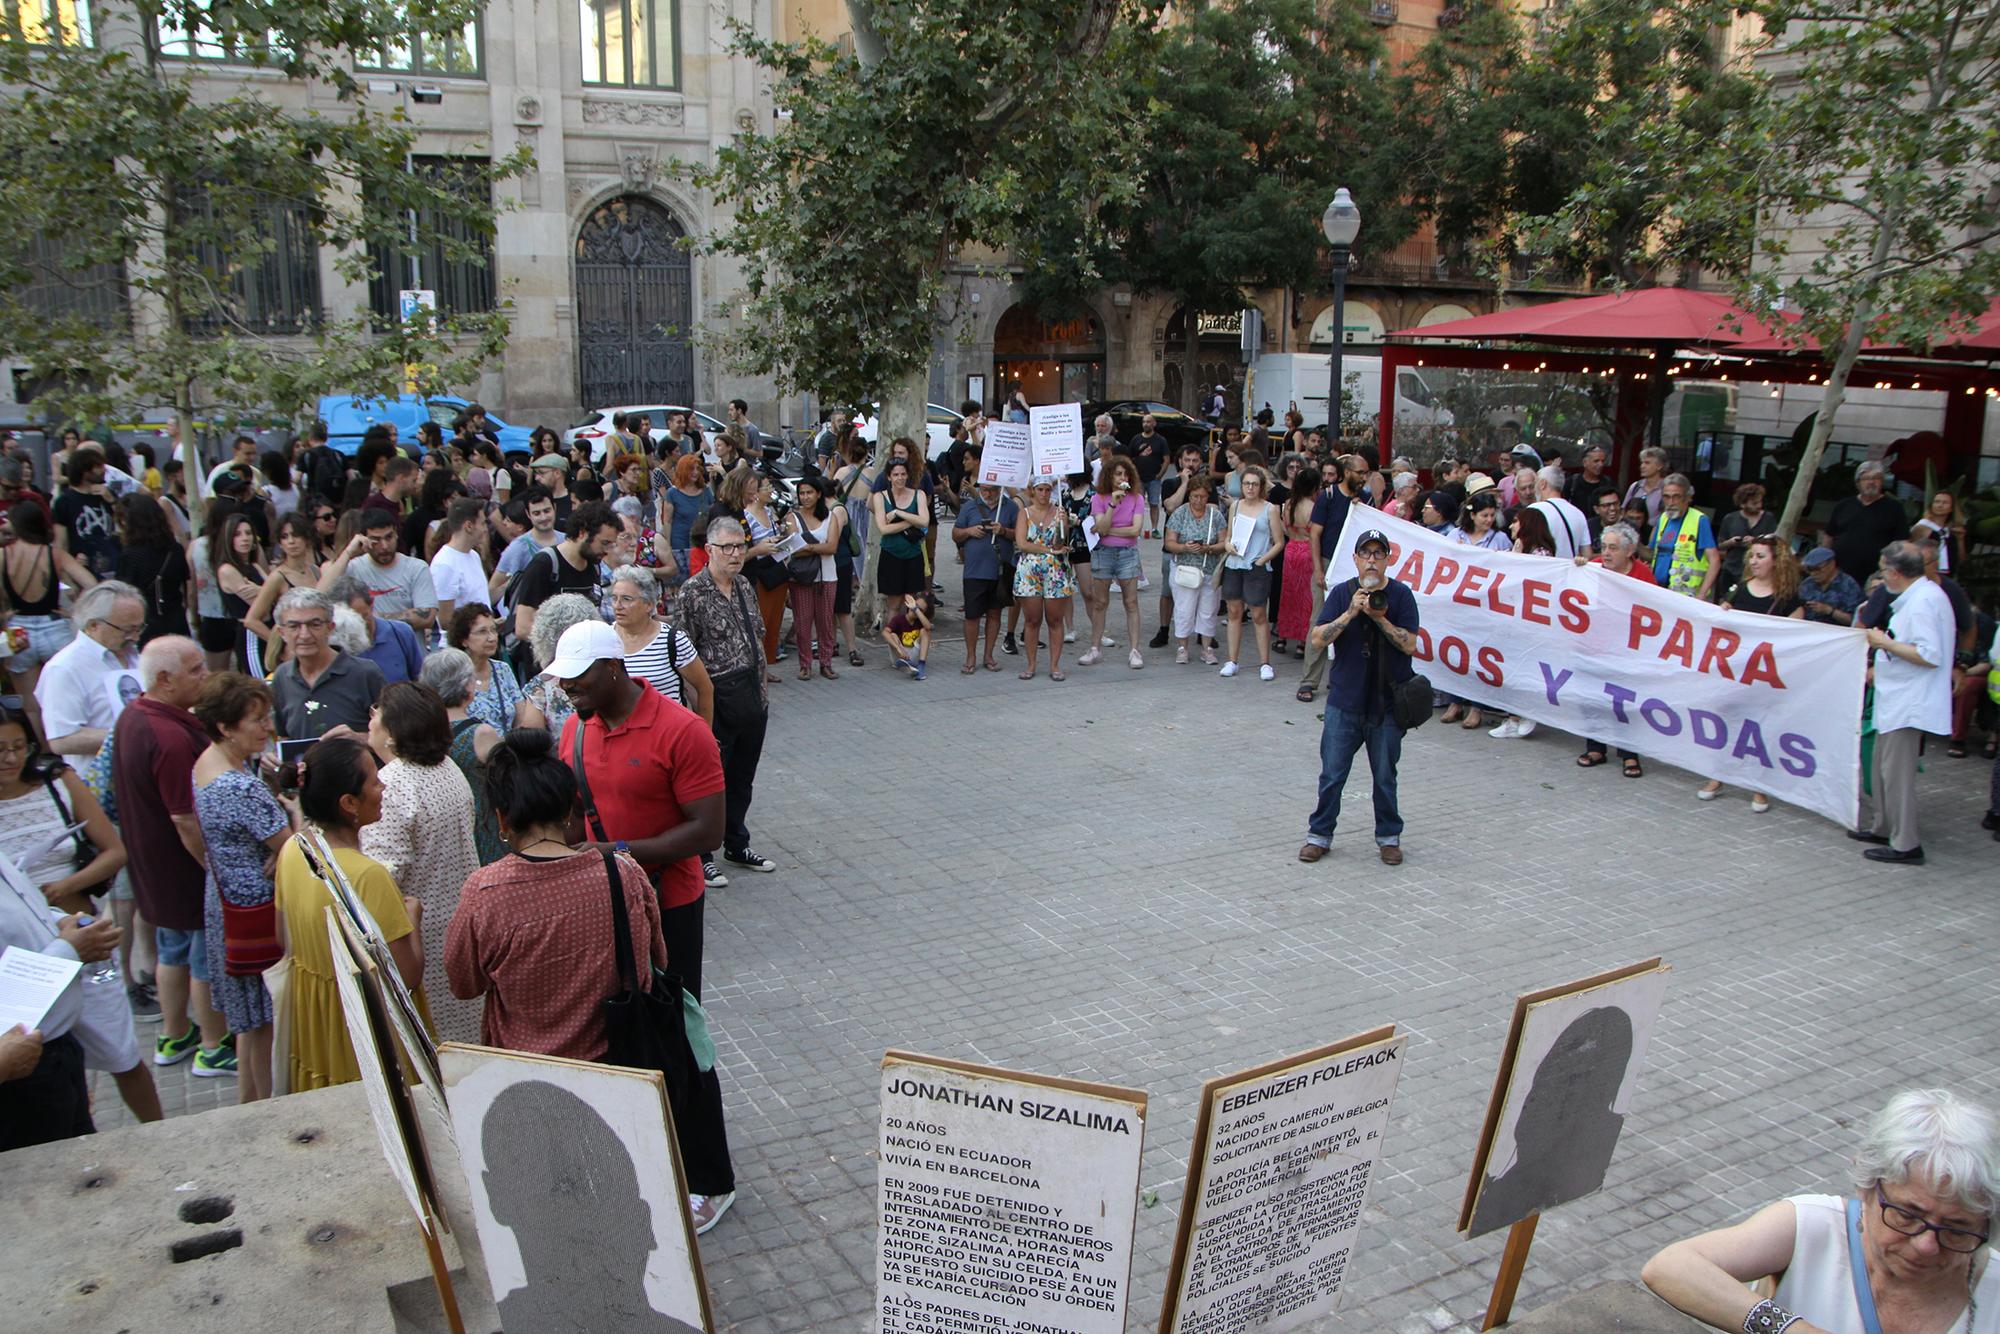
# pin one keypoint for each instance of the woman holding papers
(1043, 578)
(340, 792)
(767, 529)
(1256, 541)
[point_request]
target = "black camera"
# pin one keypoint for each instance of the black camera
(1379, 599)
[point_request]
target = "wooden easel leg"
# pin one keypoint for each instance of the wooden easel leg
(1513, 1261)
(442, 1277)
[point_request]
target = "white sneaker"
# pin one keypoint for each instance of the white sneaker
(1069, 636)
(1180, 656)
(1524, 726)
(1265, 673)
(1228, 669)
(709, 1209)
(1109, 642)
(1506, 731)
(1137, 661)
(1759, 804)
(1090, 658)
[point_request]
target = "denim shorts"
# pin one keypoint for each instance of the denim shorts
(47, 636)
(1153, 492)
(1110, 563)
(184, 949)
(1252, 586)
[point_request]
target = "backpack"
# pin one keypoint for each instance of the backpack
(325, 470)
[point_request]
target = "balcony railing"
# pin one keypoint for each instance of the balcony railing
(1382, 11)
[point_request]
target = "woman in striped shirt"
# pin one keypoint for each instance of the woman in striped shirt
(655, 650)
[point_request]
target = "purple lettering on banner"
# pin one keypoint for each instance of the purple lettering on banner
(1552, 683)
(1708, 729)
(1799, 761)
(1620, 697)
(1672, 724)
(1750, 741)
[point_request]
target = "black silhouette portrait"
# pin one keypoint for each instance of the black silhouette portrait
(1566, 1130)
(560, 1179)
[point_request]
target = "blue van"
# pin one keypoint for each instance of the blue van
(348, 419)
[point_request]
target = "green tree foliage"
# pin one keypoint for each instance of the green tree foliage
(126, 175)
(1250, 114)
(1853, 186)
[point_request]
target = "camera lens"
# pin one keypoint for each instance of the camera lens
(1379, 599)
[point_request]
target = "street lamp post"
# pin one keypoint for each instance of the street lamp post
(1342, 223)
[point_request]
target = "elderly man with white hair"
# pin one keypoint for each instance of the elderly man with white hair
(1905, 1251)
(1913, 659)
(86, 686)
(1568, 525)
(156, 743)
(320, 688)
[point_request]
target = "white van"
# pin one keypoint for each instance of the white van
(1282, 378)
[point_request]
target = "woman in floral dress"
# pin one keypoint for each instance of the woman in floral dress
(1043, 579)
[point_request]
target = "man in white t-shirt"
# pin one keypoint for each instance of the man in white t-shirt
(458, 576)
(1569, 525)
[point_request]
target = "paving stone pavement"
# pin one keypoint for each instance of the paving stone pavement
(1097, 879)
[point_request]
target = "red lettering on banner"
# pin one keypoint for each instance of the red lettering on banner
(1423, 653)
(1489, 667)
(1762, 667)
(1535, 601)
(1443, 572)
(1645, 623)
(1575, 616)
(1474, 577)
(1721, 643)
(1454, 654)
(1412, 572)
(1493, 601)
(1680, 644)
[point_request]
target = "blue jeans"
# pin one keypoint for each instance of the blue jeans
(1344, 733)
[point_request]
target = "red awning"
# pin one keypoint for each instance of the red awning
(1652, 316)
(1978, 339)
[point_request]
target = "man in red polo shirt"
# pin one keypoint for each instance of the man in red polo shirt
(654, 775)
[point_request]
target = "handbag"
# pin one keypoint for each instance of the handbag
(1188, 576)
(644, 1030)
(1410, 702)
(250, 941)
(84, 852)
(769, 572)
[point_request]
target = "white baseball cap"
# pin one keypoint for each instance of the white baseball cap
(582, 647)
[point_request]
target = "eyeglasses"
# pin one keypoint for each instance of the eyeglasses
(15, 748)
(1912, 1224)
(628, 600)
(729, 548)
(129, 631)
(316, 623)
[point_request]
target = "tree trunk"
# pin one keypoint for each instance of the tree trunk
(1190, 391)
(902, 414)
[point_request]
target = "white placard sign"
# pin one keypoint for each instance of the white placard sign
(1007, 1200)
(29, 984)
(1058, 437)
(1283, 1158)
(1008, 459)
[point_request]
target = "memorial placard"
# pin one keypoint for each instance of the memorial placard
(1008, 458)
(1283, 1158)
(1058, 439)
(1007, 1200)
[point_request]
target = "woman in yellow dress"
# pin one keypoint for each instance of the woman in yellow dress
(339, 792)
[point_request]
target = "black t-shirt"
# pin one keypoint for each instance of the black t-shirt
(548, 575)
(564, 504)
(161, 575)
(1861, 531)
(93, 530)
(1744, 600)
(1149, 453)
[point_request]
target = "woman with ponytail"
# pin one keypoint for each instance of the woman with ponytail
(340, 791)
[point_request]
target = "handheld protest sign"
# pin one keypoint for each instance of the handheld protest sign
(1566, 1079)
(1008, 458)
(577, 1193)
(1057, 430)
(1006, 1198)
(1283, 1158)
(389, 1106)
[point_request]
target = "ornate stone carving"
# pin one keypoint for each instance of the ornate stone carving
(527, 111)
(746, 119)
(597, 111)
(637, 164)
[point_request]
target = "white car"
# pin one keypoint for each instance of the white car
(937, 428)
(595, 430)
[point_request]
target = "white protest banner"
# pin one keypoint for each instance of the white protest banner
(1766, 703)
(1008, 457)
(1283, 1158)
(1007, 1200)
(1058, 434)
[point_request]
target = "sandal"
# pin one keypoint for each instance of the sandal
(854, 658)
(1304, 694)
(992, 666)
(1632, 769)
(805, 671)
(1590, 759)
(968, 669)
(1473, 719)
(1027, 675)
(1956, 750)
(826, 670)
(1057, 676)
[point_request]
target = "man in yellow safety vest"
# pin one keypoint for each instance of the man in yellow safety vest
(1685, 557)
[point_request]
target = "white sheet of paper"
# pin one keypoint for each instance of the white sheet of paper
(1091, 536)
(789, 546)
(29, 985)
(1241, 529)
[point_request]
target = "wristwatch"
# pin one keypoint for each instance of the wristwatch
(621, 845)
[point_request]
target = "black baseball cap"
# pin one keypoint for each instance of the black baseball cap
(1372, 535)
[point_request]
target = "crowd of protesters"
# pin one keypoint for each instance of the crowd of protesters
(483, 648)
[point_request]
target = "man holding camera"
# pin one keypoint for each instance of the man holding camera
(1369, 630)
